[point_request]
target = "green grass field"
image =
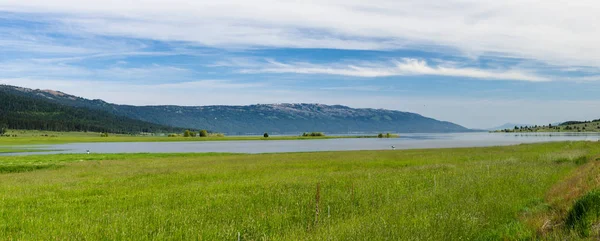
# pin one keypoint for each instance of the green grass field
(492, 193)
(30, 137)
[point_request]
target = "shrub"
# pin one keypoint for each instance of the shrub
(313, 134)
(104, 134)
(187, 133)
(388, 135)
(3, 129)
(585, 213)
(203, 133)
(266, 135)
(380, 135)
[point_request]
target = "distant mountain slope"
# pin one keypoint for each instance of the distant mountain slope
(19, 111)
(272, 118)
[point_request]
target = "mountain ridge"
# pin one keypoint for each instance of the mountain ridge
(18, 111)
(282, 118)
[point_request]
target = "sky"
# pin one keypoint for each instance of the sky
(477, 63)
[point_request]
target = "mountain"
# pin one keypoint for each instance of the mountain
(253, 119)
(19, 111)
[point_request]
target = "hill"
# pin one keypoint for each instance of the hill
(569, 126)
(253, 119)
(18, 111)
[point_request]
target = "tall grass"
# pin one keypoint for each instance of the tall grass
(443, 194)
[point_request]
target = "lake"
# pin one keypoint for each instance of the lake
(405, 141)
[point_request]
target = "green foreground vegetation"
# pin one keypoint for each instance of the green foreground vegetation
(32, 137)
(491, 193)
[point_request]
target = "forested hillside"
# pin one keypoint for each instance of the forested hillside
(257, 119)
(21, 112)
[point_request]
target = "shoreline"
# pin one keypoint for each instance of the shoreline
(50, 140)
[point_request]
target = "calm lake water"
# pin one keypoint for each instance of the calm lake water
(405, 141)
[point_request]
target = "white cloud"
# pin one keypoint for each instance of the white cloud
(60, 68)
(552, 31)
(404, 67)
(358, 88)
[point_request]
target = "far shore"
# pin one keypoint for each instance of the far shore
(19, 138)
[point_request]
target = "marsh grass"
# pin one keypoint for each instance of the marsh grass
(25, 168)
(558, 217)
(438, 194)
(585, 214)
(31, 137)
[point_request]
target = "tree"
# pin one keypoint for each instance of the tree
(266, 135)
(203, 133)
(3, 129)
(187, 133)
(388, 135)
(380, 135)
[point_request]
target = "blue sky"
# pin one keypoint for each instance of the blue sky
(476, 63)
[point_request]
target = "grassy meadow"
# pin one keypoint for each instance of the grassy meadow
(491, 193)
(31, 137)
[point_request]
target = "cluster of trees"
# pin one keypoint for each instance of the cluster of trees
(188, 133)
(387, 135)
(579, 128)
(533, 128)
(567, 126)
(27, 113)
(313, 134)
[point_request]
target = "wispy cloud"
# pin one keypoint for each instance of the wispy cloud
(546, 33)
(356, 88)
(124, 52)
(117, 72)
(403, 67)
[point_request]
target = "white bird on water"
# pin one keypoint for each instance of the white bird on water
(393, 147)
(88, 152)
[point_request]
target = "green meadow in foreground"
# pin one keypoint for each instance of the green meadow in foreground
(491, 193)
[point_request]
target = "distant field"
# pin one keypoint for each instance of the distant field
(45, 137)
(492, 193)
